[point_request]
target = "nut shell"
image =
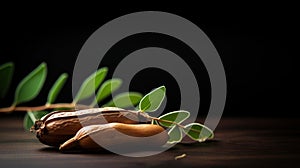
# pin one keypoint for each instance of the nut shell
(57, 127)
(117, 136)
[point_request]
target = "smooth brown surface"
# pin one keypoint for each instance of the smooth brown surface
(238, 143)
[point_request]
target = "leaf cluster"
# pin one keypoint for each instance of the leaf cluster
(31, 85)
(173, 120)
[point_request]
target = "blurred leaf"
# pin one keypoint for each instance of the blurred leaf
(151, 101)
(56, 88)
(31, 85)
(198, 132)
(6, 72)
(124, 100)
(31, 117)
(91, 84)
(175, 116)
(106, 89)
(175, 135)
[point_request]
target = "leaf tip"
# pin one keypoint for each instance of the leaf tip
(163, 87)
(10, 64)
(64, 75)
(118, 80)
(104, 69)
(43, 65)
(7, 65)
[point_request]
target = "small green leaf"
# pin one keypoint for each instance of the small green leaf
(124, 100)
(91, 84)
(31, 117)
(198, 132)
(6, 72)
(31, 85)
(151, 101)
(175, 135)
(106, 89)
(175, 117)
(56, 88)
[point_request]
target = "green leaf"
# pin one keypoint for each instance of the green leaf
(106, 89)
(175, 135)
(56, 88)
(124, 100)
(198, 132)
(91, 84)
(6, 72)
(151, 101)
(175, 116)
(31, 117)
(31, 85)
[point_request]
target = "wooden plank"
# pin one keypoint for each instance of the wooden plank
(239, 142)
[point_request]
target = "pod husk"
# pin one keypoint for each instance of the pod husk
(57, 127)
(117, 136)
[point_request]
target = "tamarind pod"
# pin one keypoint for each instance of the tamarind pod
(117, 136)
(57, 127)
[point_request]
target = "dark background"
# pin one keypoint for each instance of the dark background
(255, 45)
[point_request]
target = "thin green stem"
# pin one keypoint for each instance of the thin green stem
(171, 122)
(167, 121)
(93, 104)
(32, 117)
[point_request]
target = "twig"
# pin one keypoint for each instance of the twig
(161, 120)
(171, 122)
(180, 156)
(38, 108)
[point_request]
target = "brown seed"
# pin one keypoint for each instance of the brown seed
(57, 127)
(117, 136)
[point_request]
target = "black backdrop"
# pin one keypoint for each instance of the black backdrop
(255, 46)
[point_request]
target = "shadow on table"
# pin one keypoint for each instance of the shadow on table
(77, 151)
(191, 145)
(103, 151)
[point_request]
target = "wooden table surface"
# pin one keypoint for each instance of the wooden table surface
(239, 142)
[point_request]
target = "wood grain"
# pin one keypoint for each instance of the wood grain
(239, 142)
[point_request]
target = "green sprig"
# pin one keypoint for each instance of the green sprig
(31, 85)
(173, 120)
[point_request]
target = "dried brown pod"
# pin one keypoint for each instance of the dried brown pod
(117, 136)
(57, 127)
